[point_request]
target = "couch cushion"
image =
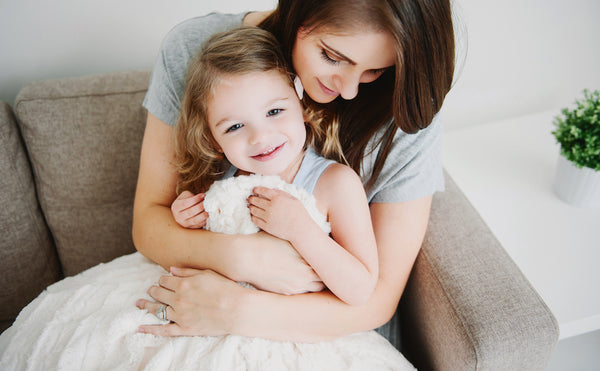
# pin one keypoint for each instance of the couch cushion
(28, 260)
(84, 138)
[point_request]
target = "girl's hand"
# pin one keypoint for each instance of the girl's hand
(199, 303)
(188, 210)
(278, 213)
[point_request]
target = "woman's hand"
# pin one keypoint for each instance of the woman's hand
(274, 265)
(199, 302)
(205, 303)
(188, 210)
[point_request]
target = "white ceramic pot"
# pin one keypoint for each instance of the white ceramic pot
(578, 187)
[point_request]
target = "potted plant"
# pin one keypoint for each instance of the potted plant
(577, 131)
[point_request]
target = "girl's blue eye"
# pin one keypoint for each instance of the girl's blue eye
(274, 112)
(327, 58)
(233, 128)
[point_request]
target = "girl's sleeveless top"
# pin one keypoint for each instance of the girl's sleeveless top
(311, 168)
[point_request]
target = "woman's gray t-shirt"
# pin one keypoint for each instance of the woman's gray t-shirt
(413, 168)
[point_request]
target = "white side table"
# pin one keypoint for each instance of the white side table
(506, 170)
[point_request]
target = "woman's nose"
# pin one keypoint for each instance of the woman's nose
(348, 85)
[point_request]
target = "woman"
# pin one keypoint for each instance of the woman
(381, 70)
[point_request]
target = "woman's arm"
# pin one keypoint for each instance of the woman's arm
(399, 230)
(157, 236)
(155, 233)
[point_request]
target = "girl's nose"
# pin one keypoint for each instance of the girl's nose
(258, 135)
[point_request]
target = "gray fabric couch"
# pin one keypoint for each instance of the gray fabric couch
(69, 157)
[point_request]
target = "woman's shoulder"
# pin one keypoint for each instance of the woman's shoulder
(193, 32)
(178, 47)
(412, 168)
(215, 22)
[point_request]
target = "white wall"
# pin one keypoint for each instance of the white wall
(42, 39)
(523, 55)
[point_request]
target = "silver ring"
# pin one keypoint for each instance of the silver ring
(161, 312)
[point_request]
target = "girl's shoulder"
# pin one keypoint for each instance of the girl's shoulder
(338, 174)
(338, 181)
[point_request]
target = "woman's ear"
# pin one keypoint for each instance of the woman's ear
(299, 88)
(302, 32)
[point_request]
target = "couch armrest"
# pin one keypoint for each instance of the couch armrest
(467, 306)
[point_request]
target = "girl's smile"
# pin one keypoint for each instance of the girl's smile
(269, 153)
(257, 121)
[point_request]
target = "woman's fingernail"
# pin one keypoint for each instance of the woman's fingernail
(139, 303)
(141, 330)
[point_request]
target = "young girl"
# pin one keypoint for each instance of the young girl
(241, 102)
(244, 118)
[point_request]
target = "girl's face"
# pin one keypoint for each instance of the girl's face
(331, 64)
(258, 123)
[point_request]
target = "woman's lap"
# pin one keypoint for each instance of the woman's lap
(89, 321)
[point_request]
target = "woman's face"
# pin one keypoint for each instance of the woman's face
(331, 64)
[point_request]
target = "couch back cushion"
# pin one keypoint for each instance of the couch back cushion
(28, 260)
(84, 137)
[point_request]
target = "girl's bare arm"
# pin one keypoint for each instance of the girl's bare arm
(347, 263)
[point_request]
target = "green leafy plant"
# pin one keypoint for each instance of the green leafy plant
(578, 131)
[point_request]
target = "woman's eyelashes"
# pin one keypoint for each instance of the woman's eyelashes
(327, 58)
(377, 72)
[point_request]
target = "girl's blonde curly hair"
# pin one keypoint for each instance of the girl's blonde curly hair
(240, 51)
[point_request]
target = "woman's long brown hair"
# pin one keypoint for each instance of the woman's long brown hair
(411, 94)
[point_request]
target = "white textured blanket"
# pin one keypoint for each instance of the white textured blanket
(227, 206)
(89, 322)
